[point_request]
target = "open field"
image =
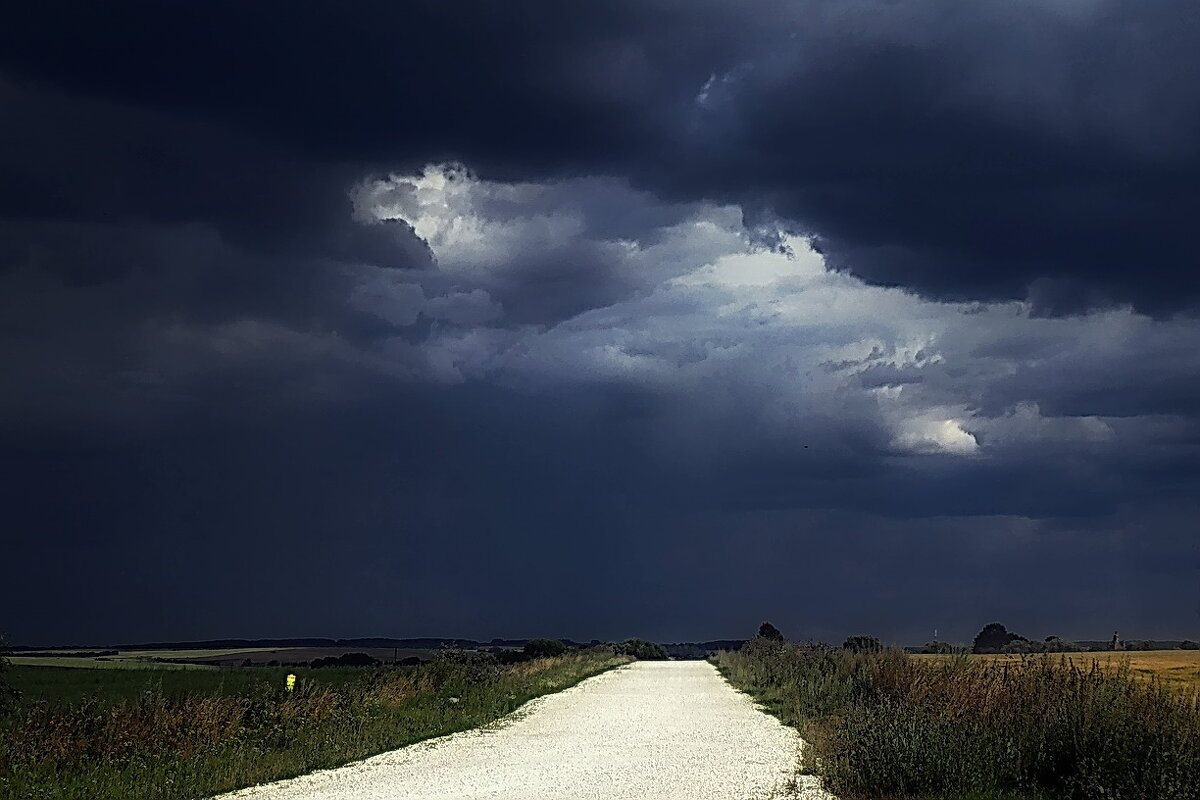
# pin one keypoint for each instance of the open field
(207, 659)
(195, 733)
(74, 662)
(1178, 669)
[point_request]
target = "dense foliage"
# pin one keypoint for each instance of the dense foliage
(642, 650)
(884, 724)
(544, 648)
(862, 644)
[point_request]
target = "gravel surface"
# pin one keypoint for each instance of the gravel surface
(648, 730)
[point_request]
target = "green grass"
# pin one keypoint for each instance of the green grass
(59, 686)
(193, 738)
(887, 725)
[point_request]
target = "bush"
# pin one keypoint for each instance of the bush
(544, 648)
(1188, 644)
(641, 649)
(940, 648)
(862, 644)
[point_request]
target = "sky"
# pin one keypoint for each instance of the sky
(627, 318)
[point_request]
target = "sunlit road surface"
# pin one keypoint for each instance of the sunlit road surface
(671, 729)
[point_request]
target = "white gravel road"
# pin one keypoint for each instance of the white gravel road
(650, 730)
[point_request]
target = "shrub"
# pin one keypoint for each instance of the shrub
(862, 644)
(641, 649)
(544, 648)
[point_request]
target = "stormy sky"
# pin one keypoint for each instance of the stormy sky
(599, 319)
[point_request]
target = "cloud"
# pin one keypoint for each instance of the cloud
(699, 309)
(744, 283)
(1040, 151)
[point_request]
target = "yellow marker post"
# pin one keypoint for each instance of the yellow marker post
(291, 682)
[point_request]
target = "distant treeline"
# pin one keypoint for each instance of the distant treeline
(242, 644)
(675, 650)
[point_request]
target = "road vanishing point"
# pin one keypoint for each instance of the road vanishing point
(653, 729)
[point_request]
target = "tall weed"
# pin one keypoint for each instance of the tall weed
(885, 725)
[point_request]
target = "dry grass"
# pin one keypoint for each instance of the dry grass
(890, 725)
(1177, 669)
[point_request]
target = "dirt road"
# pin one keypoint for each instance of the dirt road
(650, 730)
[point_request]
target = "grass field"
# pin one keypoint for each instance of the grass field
(59, 685)
(1178, 669)
(74, 662)
(188, 734)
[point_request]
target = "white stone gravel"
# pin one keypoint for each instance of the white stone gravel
(650, 730)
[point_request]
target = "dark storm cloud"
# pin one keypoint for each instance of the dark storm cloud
(74, 159)
(995, 150)
(248, 332)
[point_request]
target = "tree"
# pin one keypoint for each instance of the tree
(862, 644)
(346, 660)
(544, 648)
(993, 638)
(769, 631)
(1188, 644)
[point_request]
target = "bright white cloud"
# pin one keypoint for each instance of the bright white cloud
(688, 302)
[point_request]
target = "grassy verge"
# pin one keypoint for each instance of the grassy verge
(60, 686)
(886, 725)
(162, 746)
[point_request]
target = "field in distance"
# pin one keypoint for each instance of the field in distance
(1175, 668)
(210, 658)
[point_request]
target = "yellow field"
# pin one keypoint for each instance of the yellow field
(1176, 668)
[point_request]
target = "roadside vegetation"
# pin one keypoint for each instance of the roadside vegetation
(174, 743)
(883, 724)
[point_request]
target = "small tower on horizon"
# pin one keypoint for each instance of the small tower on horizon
(1116, 642)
